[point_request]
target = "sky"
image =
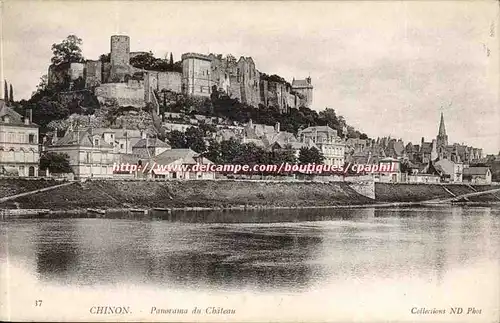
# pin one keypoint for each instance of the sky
(390, 68)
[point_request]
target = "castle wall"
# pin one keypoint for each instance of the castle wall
(93, 73)
(234, 88)
(249, 79)
(264, 92)
(127, 94)
(171, 81)
(277, 93)
(106, 72)
(66, 71)
(291, 100)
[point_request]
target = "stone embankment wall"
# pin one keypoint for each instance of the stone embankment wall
(170, 194)
(388, 192)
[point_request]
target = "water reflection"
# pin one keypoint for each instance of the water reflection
(56, 250)
(259, 250)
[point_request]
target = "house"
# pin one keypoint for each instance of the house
(452, 171)
(89, 154)
(18, 142)
(328, 143)
(122, 139)
(477, 175)
(149, 147)
(179, 164)
(389, 170)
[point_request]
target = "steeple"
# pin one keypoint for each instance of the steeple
(442, 129)
(442, 138)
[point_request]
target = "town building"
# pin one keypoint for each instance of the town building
(90, 155)
(172, 160)
(19, 150)
(477, 175)
(328, 142)
(452, 171)
(149, 147)
(389, 171)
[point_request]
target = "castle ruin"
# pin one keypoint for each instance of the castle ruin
(115, 78)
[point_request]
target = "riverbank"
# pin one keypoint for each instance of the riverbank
(402, 192)
(221, 194)
(107, 197)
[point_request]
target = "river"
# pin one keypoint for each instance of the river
(318, 265)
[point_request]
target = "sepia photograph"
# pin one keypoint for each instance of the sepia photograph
(249, 161)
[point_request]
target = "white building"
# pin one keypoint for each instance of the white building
(451, 169)
(89, 154)
(327, 141)
(19, 153)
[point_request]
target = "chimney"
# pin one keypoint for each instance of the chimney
(54, 137)
(277, 127)
(143, 134)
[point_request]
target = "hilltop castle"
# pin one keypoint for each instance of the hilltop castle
(201, 75)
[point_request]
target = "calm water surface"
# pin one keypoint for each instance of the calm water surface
(365, 254)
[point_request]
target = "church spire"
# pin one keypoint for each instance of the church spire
(442, 129)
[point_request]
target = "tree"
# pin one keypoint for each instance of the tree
(105, 58)
(68, 51)
(207, 129)
(310, 156)
(230, 149)
(285, 155)
(5, 91)
(44, 82)
(47, 110)
(194, 139)
(145, 61)
(11, 94)
(177, 139)
(214, 153)
(55, 162)
(171, 62)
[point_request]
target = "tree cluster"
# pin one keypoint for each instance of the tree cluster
(8, 92)
(67, 51)
(147, 61)
(55, 162)
(292, 121)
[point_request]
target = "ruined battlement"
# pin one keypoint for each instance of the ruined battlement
(238, 78)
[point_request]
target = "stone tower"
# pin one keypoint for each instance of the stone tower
(442, 138)
(120, 57)
(196, 74)
(120, 50)
(305, 89)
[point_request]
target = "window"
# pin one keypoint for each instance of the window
(96, 142)
(121, 146)
(31, 138)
